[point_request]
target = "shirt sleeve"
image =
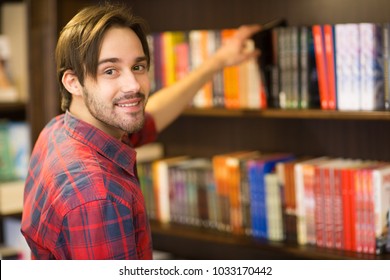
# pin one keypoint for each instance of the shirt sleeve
(147, 134)
(99, 230)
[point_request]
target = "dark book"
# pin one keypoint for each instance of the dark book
(264, 41)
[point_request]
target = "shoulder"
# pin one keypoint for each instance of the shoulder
(147, 134)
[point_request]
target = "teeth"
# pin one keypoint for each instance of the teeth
(128, 104)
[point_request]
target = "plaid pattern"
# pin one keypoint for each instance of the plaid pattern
(82, 197)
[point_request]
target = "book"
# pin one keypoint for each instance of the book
(20, 147)
(348, 66)
(8, 91)
(170, 39)
(275, 230)
(323, 209)
(303, 175)
(227, 182)
(309, 94)
(231, 77)
(330, 58)
(13, 237)
(11, 197)
(145, 177)
(150, 152)
(264, 41)
(282, 42)
(146, 154)
(381, 194)
(372, 67)
(157, 67)
(234, 168)
(386, 63)
(320, 54)
(14, 22)
(6, 163)
(160, 171)
(257, 169)
(188, 188)
(199, 42)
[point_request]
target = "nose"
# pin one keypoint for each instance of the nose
(130, 83)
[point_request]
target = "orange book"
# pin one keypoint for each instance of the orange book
(227, 179)
(330, 65)
(319, 50)
(231, 78)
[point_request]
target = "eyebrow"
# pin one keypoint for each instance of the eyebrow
(115, 60)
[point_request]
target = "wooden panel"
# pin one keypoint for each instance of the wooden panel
(231, 13)
(205, 136)
(44, 100)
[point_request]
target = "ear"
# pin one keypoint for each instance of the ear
(71, 82)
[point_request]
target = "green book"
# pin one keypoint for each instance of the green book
(6, 164)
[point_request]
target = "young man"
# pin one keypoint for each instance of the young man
(82, 196)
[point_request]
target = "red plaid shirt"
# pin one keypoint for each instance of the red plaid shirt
(82, 196)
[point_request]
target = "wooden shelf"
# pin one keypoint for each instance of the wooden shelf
(200, 243)
(291, 114)
(13, 110)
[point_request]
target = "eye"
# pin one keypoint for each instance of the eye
(109, 71)
(139, 68)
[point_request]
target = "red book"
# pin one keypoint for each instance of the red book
(347, 176)
(330, 65)
(319, 49)
(319, 206)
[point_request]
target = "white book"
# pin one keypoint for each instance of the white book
(371, 62)
(348, 66)
(381, 189)
(274, 207)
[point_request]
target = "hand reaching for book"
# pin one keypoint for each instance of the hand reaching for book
(233, 50)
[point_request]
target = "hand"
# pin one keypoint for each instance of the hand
(233, 50)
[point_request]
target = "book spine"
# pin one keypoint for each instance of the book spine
(330, 64)
(319, 207)
(386, 63)
(338, 210)
(319, 47)
(328, 187)
(371, 65)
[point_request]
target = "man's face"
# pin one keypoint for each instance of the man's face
(117, 99)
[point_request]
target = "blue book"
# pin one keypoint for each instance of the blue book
(257, 169)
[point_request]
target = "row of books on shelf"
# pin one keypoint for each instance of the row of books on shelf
(327, 202)
(175, 53)
(330, 66)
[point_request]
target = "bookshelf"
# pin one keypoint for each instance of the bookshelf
(204, 132)
(16, 113)
(311, 132)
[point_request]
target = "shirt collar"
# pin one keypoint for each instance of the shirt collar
(120, 152)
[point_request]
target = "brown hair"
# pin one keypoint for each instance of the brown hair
(80, 41)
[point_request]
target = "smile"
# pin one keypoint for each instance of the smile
(128, 104)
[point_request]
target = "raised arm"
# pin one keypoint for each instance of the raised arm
(168, 103)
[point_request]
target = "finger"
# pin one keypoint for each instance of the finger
(246, 31)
